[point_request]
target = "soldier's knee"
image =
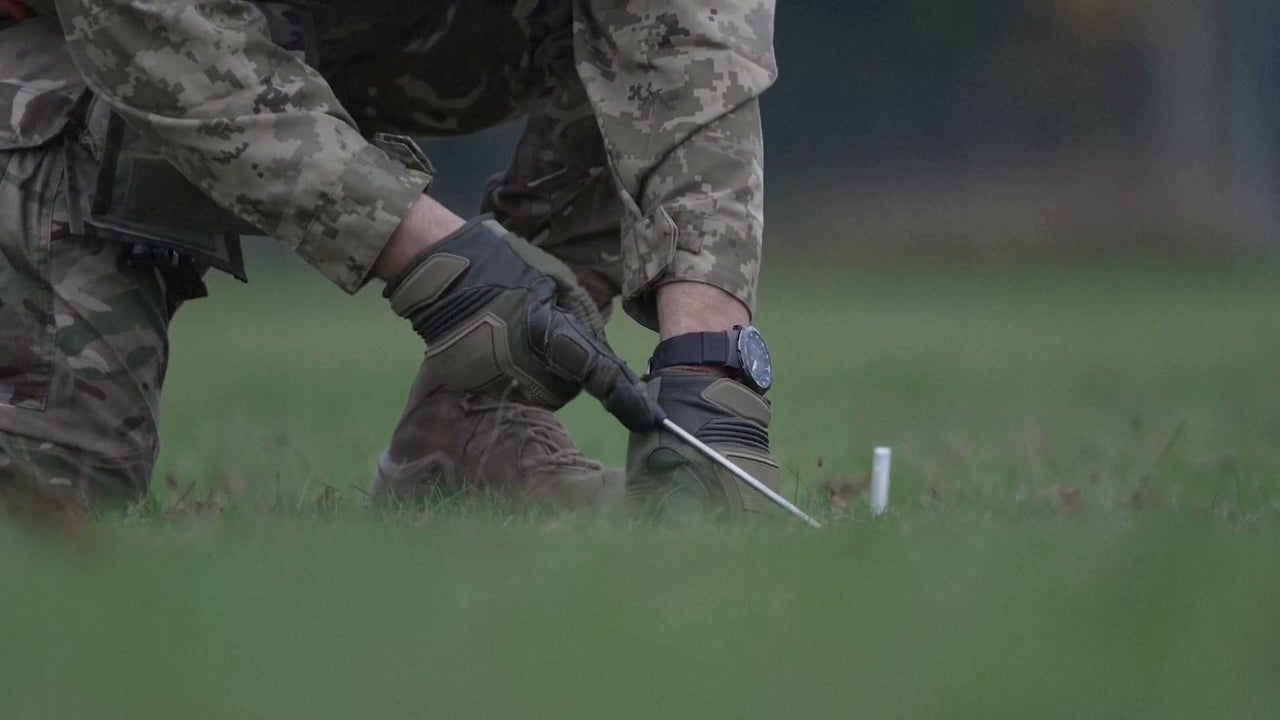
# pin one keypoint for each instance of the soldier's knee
(40, 477)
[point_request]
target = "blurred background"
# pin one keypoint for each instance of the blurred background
(1005, 127)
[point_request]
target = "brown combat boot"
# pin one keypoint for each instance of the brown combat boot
(450, 443)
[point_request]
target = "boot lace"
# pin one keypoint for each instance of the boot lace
(539, 426)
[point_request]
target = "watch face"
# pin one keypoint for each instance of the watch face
(755, 358)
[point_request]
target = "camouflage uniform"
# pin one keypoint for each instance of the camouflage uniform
(640, 164)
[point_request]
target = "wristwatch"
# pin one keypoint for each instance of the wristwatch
(740, 351)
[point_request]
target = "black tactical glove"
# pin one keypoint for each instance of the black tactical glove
(504, 318)
(668, 478)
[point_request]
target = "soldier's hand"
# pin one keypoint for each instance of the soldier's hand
(667, 478)
(500, 316)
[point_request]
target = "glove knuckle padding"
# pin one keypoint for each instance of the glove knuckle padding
(722, 413)
(495, 310)
(469, 298)
(575, 352)
(563, 345)
(570, 294)
(478, 357)
(426, 282)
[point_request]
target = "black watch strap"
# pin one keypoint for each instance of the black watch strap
(703, 348)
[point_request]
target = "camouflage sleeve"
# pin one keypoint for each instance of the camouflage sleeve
(674, 86)
(252, 126)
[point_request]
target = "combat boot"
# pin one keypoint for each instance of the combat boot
(450, 444)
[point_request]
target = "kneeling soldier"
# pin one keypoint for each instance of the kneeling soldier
(145, 136)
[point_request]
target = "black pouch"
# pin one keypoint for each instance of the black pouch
(141, 199)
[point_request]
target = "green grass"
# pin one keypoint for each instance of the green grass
(1083, 524)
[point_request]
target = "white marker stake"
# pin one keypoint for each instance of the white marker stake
(738, 472)
(880, 480)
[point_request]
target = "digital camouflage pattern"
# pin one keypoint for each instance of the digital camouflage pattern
(640, 163)
(672, 88)
(252, 126)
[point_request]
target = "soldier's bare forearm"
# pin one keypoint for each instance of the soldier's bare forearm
(427, 223)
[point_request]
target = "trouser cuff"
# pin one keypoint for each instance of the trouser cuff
(687, 247)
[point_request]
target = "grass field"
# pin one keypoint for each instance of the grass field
(1083, 524)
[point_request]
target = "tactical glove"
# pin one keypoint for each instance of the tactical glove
(504, 318)
(667, 478)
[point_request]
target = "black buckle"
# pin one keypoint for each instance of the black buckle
(141, 256)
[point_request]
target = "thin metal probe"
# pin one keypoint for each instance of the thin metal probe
(738, 472)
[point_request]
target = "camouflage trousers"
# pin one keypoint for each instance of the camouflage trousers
(82, 342)
(84, 337)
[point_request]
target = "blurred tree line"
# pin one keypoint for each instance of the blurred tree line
(1005, 126)
(1140, 120)
(918, 80)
